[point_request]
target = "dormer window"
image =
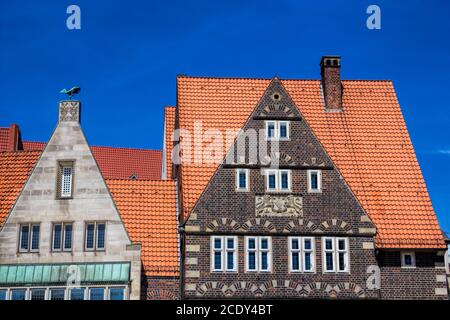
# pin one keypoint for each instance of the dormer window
(65, 180)
(277, 130)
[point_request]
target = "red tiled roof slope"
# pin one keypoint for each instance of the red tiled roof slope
(169, 128)
(368, 142)
(148, 209)
(120, 163)
(4, 138)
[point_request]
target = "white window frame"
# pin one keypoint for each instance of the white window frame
(288, 129)
(247, 183)
(224, 253)
(67, 194)
(319, 181)
(30, 237)
(278, 173)
(63, 237)
(413, 259)
(302, 254)
(277, 130)
(95, 223)
(258, 254)
(335, 255)
(97, 287)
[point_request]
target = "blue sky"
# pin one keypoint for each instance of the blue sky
(128, 53)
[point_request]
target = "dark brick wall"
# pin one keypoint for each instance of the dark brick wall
(334, 211)
(160, 288)
(416, 283)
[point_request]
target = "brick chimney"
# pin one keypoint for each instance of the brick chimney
(330, 70)
(14, 138)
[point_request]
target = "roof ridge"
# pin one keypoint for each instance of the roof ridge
(113, 147)
(268, 79)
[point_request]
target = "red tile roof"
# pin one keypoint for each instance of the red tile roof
(4, 138)
(368, 142)
(148, 209)
(169, 127)
(120, 163)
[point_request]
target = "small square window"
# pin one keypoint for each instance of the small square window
(37, 294)
(77, 294)
(57, 294)
(18, 294)
(408, 259)
(3, 294)
(97, 294)
(116, 293)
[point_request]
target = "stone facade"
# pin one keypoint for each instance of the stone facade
(91, 201)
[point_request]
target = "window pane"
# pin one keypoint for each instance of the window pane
(283, 130)
(96, 294)
(217, 260)
(230, 260)
(284, 180)
(35, 238)
(264, 261)
(252, 243)
(295, 261)
(100, 236)
(217, 243)
(314, 181)
(294, 244)
(307, 244)
(66, 183)
(77, 294)
(408, 259)
(116, 294)
(90, 236)
(341, 244)
(328, 244)
(272, 180)
(2, 294)
(18, 294)
(230, 243)
(308, 264)
(242, 180)
(57, 231)
(252, 260)
(271, 130)
(37, 294)
(67, 236)
(24, 234)
(329, 261)
(264, 243)
(341, 261)
(57, 294)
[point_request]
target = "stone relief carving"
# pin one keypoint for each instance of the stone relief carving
(69, 111)
(281, 206)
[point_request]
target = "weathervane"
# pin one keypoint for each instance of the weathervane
(71, 92)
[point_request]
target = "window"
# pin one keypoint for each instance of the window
(3, 294)
(242, 179)
(224, 253)
(57, 294)
(62, 237)
(65, 180)
(29, 238)
(335, 254)
(277, 130)
(301, 254)
(314, 181)
(18, 294)
(97, 294)
(278, 180)
(408, 259)
(77, 294)
(37, 294)
(116, 293)
(95, 236)
(258, 254)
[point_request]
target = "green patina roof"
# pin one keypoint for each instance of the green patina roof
(31, 274)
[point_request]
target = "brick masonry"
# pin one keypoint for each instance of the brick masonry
(160, 288)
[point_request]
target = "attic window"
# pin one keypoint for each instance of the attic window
(65, 180)
(276, 96)
(134, 176)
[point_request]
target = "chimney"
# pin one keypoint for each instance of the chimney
(330, 70)
(14, 138)
(69, 111)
